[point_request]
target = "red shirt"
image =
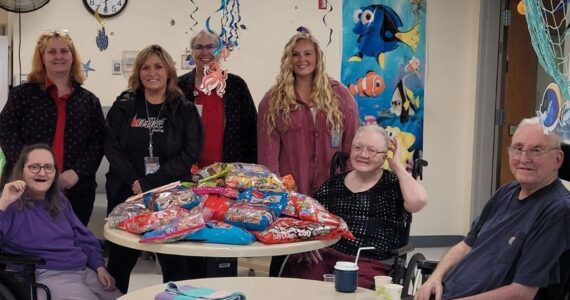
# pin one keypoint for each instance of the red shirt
(60, 102)
(212, 113)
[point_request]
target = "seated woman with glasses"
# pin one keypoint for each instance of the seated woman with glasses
(372, 201)
(53, 108)
(36, 219)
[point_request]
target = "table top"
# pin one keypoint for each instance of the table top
(263, 288)
(189, 248)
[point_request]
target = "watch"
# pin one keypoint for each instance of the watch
(107, 8)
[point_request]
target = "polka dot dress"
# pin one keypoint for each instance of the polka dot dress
(376, 217)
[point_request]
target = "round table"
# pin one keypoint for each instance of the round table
(189, 248)
(263, 288)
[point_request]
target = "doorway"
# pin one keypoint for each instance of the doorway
(520, 84)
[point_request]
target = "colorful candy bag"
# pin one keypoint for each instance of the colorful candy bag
(224, 191)
(249, 216)
(216, 205)
(288, 230)
(276, 201)
(125, 211)
(184, 223)
(179, 196)
(311, 210)
(289, 182)
(150, 220)
(214, 171)
(244, 176)
(222, 233)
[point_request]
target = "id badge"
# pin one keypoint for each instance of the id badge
(151, 164)
(335, 138)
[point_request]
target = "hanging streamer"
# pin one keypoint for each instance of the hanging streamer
(102, 40)
(325, 21)
(230, 18)
(192, 16)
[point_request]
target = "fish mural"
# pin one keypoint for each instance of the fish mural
(387, 39)
(377, 27)
(371, 85)
(404, 103)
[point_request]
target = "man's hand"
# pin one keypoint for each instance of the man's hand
(311, 257)
(67, 179)
(432, 286)
(107, 281)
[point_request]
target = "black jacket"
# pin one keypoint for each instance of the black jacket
(184, 143)
(30, 117)
(240, 126)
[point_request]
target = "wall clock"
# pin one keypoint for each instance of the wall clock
(107, 8)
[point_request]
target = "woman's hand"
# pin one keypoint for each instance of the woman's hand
(310, 257)
(107, 281)
(12, 192)
(136, 187)
(67, 179)
(394, 162)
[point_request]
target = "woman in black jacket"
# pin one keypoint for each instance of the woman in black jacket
(153, 137)
(53, 108)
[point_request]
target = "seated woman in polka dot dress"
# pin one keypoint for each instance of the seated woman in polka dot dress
(372, 201)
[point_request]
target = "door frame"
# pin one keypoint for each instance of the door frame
(489, 90)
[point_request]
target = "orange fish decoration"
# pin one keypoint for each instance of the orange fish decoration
(371, 85)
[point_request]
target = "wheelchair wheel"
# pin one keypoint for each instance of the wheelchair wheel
(5, 294)
(412, 274)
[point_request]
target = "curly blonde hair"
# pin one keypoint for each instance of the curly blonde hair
(38, 72)
(283, 92)
(135, 84)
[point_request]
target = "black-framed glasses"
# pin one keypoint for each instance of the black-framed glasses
(533, 152)
(371, 151)
(200, 47)
(36, 168)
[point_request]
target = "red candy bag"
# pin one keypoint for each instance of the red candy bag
(217, 205)
(288, 230)
(310, 209)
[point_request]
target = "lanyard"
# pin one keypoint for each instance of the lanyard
(152, 126)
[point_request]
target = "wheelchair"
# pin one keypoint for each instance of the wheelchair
(559, 291)
(401, 273)
(20, 284)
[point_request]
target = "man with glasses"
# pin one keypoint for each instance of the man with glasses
(513, 247)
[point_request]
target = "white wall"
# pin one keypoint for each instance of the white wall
(452, 28)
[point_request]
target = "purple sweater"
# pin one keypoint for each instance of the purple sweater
(64, 242)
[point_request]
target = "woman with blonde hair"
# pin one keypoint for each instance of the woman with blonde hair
(53, 108)
(304, 118)
(154, 135)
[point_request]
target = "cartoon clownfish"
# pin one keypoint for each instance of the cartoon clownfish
(378, 33)
(371, 85)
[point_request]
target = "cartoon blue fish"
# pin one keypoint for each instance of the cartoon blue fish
(378, 33)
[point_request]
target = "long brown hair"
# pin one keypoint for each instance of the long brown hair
(38, 72)
(283, 93)
(135, 84)
(52, 195)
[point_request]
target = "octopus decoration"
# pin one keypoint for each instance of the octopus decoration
(214, 78)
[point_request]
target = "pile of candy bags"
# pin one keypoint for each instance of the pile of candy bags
(229, 203)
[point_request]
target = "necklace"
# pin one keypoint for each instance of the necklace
(152, 126)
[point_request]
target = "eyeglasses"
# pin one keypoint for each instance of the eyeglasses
(371, 151)
(533, 152)
(200, 47)
(36, 168)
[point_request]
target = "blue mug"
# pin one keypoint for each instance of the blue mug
(346, 276)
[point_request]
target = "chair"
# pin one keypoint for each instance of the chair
(400, 273)
(20, 285)
(560, 291)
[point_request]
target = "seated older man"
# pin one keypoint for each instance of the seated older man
(514, 245)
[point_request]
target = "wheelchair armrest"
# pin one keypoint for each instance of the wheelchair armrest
(6, 258)
(403, 250)
(427, 266)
